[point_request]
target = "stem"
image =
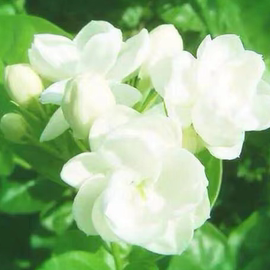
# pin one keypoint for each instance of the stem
(116, 256)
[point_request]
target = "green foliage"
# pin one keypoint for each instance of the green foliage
(37, 231)
(213, 170)
(209, 251)
(74, 260)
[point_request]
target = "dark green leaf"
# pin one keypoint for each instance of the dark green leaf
(27, 197)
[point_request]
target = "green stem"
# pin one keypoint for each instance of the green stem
(115, 250)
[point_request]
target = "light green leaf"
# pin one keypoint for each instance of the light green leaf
(57, 217)
(213, 170)
(74, 260)
(6, 159)
(141, 266)
(18, 197)
(208, 251)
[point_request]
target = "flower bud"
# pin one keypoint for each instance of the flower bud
(86, 98)
(14, 127)
(22, 83)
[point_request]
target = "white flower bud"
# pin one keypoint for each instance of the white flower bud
(14, 127)
(86, 98)
(22, 83)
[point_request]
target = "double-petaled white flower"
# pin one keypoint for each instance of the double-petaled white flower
(139, 186)
(97, 51)
(220, 94)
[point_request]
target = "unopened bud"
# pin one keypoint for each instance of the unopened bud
(22, 83)
(14, 127)
(86, 98)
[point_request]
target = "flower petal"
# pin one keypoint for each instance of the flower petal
(100, 52)
(175, 239)
(182, 181)
(54, 93)
(53, 57)
(91, 29)
(109, 121)
(82, 167)
(213, 124)
(55, 127)
(125, 94)
(133, 218)
(100, 222)
(227, 152)
(84, 202)
(165, 41)
(132, 55)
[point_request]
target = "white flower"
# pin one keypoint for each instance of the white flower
(97, 50)
(140, 186)
(220, 93)
(22, 83)
(165, 42)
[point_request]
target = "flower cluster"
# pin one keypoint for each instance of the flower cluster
(145, 107)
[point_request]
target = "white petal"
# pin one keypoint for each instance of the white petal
(54, 93)
(156, 109)
(204, 44)
(91, 29)
(107, 122)
(214, 125)
(125, 94)
(141, 142)
(165, 41)
(84, 202)
(178, 76)
(100, 52)
(202, 212)
(227, 152)
(100, 222)
(182, 181)
(131, 216)
(83, 167)
(85, 99)
(53, 57)
(175, 239)
(55, 127)
(132, 55)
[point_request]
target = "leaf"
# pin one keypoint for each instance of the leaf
(16, 35)
(213, 170)
(6, 159)
(27, 197)
(74, 260)
(208, 251)
(139, 254)
(141, 266)
(250, 242)
(76, 240)
(57, 217)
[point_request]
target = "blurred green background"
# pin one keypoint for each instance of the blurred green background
(35, 221)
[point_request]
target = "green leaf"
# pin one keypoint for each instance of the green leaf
(6, 159)
(139, 254)
(57, 217)
(141, 266)
(213, 170)
(16, 35)
(74, 260)
(18, 197)
(76, 240)
(208, 251)
(250, 242)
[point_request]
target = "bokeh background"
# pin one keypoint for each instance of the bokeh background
(29, 235)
